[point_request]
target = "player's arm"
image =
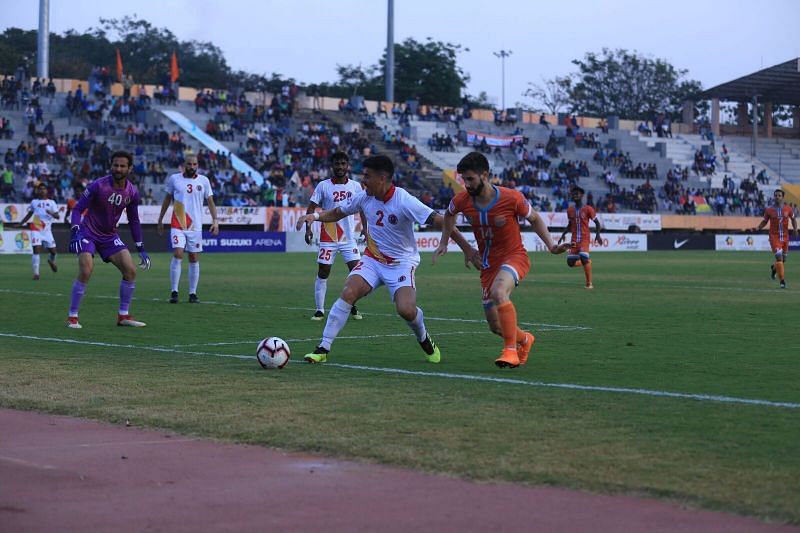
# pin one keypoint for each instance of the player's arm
(310, 210)
(598, 226)
(212, 208)
(450, 231)
(794, 224)
(136, 232)
(27, 216)
(563, 235)
(363, 218)
(164, 206)
(329, 215)
(763, 223)
(540, 228)
(75, 245)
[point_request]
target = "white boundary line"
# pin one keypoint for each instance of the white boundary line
(255, 306)
(448, 375)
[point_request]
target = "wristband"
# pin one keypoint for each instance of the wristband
(316, 215)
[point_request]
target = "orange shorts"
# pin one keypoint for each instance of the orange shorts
(518, 265)
(778, 245)
(578, 247)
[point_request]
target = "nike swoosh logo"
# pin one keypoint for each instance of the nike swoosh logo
(678, 243)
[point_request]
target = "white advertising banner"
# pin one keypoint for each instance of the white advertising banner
(612, 242)
(612, 221)
(15, 242)
(750, 243)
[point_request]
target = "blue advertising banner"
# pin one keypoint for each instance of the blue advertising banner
(244, 241)
(794, 243)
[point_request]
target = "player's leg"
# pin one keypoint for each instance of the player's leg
(325, 258)
(586, 261)
(359, 283)
(351, 264)
(85, 268)
(36, 260)
(51, 258)
(499, 293)
(402, 288)
(194, 245)
(124, 262)
(780, 263)
(178, 241)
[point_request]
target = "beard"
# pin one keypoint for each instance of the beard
(476, 191)
(190, 173)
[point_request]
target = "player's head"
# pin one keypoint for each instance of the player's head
(576, 194)
(474, 170)
(378, 173)
(121, 164)
(41, 191)
(778, 195)
(341, 164)
(190, 166)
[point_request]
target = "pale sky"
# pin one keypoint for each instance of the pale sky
(715, 40)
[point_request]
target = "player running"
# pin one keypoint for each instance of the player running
(778, 217)
(103, 201)
(44, 212)
(334, 237)
(391, 257)
(187, 191)
(579, 216)
(493, 212)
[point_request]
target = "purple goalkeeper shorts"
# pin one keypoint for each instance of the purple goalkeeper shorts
(105, 246)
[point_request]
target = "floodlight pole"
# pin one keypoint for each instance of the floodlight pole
(755, 126)
(390, 53)
(43, 41)
(503, 54)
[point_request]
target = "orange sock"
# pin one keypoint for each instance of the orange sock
(587, 270)
(520, 335)
(508, 324)
(779, 268)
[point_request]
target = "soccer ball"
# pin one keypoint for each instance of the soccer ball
(273, 352)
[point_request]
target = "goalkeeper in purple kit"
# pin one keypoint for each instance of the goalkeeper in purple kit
(96, 232)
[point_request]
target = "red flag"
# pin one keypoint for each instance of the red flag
(173, 68)
(119, 66)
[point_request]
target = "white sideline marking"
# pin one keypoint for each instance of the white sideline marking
(313, 339)
(448, 375)
(23, 462)
(254, 306)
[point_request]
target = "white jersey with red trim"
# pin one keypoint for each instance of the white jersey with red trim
(188, 195)
(42, 220)
(390, 221)
(330, 195)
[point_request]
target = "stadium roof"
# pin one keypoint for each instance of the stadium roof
(779, 84)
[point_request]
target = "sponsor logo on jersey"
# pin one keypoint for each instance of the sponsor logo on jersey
(392, 219)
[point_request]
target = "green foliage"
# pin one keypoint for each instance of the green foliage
(623, 83)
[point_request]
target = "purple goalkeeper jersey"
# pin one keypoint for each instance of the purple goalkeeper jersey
(105, 206)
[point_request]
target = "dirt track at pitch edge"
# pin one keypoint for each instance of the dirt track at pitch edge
(65, 474)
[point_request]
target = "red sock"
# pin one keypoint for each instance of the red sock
(508, 324)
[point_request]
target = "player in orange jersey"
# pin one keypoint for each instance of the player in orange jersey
(493, 212)
(778, 217)
(579, 217)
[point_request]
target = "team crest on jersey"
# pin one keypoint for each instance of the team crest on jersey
(200, 188)
(499, 221)
(401, 279)
(392, 219)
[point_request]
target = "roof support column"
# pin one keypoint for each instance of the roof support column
(796, 119)
(768, 118)
(688, 115)
(715, 116)
(741, 114)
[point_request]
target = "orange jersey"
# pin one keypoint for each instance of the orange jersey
(496, 227)
(579, 223)
(779, 222)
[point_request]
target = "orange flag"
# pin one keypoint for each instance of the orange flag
(173, 68)
(119, 66)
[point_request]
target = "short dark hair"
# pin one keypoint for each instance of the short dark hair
(578, 189)
(380, 163)
(123, 153)
(783, 193)
(338, 156)
(474, 161)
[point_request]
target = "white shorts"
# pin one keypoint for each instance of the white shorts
(328, 250)
(43, 238)
(191, 241)
(393, 276)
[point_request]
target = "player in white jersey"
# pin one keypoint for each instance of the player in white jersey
(334, 237)
(44, 212)
(187, 191)
(391, 257)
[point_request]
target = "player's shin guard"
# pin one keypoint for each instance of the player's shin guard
(175, 273)
(320, 288)
(194, 276)
(126, 289)
(78, 290)
(337, 318)
(508, 324)
(418, 326)
(35, 261)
